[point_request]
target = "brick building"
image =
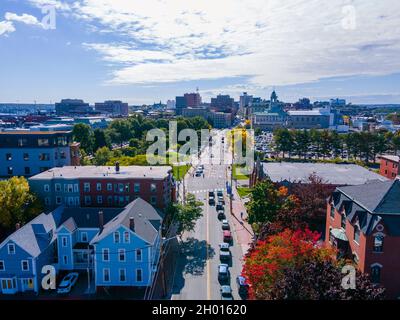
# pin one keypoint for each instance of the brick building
(363, 223)
(91, 186)
(389, 166)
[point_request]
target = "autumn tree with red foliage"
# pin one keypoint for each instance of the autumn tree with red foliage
(265, 263)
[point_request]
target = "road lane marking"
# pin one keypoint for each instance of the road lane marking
(208, 258)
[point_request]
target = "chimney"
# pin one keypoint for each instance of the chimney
(132, 224)
(101, 220)
(17, 226)
(117, 167)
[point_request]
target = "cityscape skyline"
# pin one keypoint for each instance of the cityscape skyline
(104, 50)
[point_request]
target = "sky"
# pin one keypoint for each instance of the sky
(149, 51)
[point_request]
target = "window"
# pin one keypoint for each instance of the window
(58, 200)
(357, 233)
(57, 187)
(11, 248)
(138, 255)
(88, 200)
(153, 187)
(43, 142)
(106, 255)
(376, 274)
(26, 156)
(343, 221)
(137, 187)
(98, 186)
(63, 155)
(153, 200)
(109, 200)
(109, 186)
(10, 170)
(127, 187)
(76, 187)
(47, 201)
(106, 275)
(122, 275)
(139, 276)
(46, 188)
(27, 170)
(120, 187)
(121, 255)
(332, 211)
(64, 241)
(25, 265)
(43, 169)
(116, 237)
(86, 187)
(378, 244)
(126, 237)
(99, 199)
(70, 188)
(84, 237)
(65, 259)
(44, 157)
(2, 266)
(8, 157)
(22, 142)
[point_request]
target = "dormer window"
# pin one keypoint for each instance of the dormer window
(343, 220)
(356, 234)
(116, 237)
(378, 243)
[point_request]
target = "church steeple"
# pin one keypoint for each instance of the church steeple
(274, 97)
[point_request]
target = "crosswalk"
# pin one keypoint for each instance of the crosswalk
(207, 190)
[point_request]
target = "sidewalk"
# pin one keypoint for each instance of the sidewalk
(242, 228)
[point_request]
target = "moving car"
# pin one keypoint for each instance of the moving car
(223, 272)
(224, 252)
(220, 193)
(225, 225)
(67, 283)
(211, 199)
(220, 207)
(221, 199)
(227, 236)
(243, 286)
(220, 214)
(226, 293)
(199, 173)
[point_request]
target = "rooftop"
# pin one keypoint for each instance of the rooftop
(390, 157)
(71, 172)
(25, 132)
(331, 173)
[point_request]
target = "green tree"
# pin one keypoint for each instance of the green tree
(120, 131)
(283, 141)
(101, 139)
(187, 214)
(301, 141)
(102, 156)
(264, 203)
(18, 204)
(83, 133)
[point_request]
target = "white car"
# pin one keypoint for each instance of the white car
(67, 282)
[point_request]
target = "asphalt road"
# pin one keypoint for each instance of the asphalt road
(196, 274)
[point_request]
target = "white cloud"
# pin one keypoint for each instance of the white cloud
(270, 42)
(6, 27)
(24, 18)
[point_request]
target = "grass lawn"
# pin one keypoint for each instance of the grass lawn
(243, 191)
(238, 173)
(180, 171)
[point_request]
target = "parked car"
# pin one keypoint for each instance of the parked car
(220, 193)
(226, 293)
(221, 200)
(220, 215)
(220, 207)
(243, 286)
(223, 272)
(67, 283)
(227, 235)
(198, 173)
(224, 252)
(225, 225)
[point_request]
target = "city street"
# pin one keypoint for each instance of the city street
(196, 274)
